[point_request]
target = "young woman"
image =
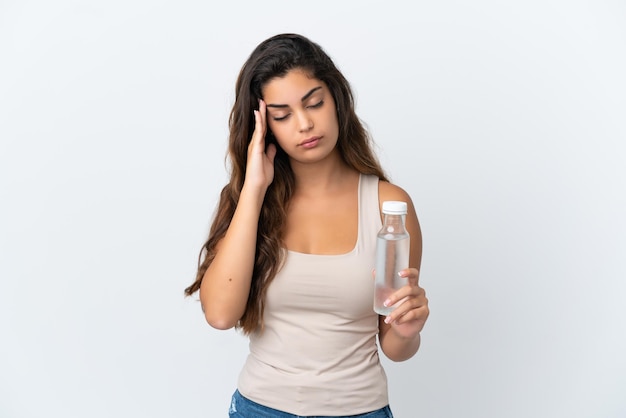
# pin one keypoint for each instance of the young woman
(290, 255)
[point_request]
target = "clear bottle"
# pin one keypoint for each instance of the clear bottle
(392, 255)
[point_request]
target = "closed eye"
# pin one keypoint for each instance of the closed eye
(313, 106)
(316, 105)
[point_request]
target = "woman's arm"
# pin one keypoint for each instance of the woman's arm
(399, 332)
(226, 283)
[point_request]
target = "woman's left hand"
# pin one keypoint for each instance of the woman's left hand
(408, 318)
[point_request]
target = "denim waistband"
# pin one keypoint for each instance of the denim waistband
(242, 407)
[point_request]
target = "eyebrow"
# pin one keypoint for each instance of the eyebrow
(306, 96)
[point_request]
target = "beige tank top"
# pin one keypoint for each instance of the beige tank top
(318, 353)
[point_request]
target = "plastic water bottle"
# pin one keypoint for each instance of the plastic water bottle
(392, 255)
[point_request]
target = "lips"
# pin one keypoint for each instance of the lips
(310, 142)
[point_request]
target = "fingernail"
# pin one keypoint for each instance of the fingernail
(387, 320)
(386, 303)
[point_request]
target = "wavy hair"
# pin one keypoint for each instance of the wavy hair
(274, 58)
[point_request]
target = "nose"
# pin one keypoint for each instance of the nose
(305, 122)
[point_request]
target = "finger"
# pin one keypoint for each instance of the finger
(258, 136)
(271, 152)
(261, 121)
(412, 308)
(418, 314)
(406, 304)
(402, 293)
(257, 127)
(263, 114)
(411, 274)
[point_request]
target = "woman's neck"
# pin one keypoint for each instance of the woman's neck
(323, 177)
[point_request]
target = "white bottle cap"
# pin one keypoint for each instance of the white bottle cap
(393, 207)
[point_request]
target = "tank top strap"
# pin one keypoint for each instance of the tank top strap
(369, 211)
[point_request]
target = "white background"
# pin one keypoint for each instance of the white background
(505, 121)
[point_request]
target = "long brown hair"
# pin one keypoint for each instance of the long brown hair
(273, 58)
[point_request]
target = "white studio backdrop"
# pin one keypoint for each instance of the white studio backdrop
(505, 121)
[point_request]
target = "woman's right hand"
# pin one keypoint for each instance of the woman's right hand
(260, 165)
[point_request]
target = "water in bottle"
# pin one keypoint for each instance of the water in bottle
(392, 255)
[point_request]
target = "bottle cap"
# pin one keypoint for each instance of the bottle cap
(393, 207)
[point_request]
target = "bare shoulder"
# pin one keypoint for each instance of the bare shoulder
(390, 191)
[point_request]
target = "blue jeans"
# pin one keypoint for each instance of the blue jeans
(241, 407)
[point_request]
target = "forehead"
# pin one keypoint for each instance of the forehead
(291, 87)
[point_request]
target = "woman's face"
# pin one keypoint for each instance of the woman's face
(302, 116)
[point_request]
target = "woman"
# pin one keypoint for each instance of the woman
(290, 253)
